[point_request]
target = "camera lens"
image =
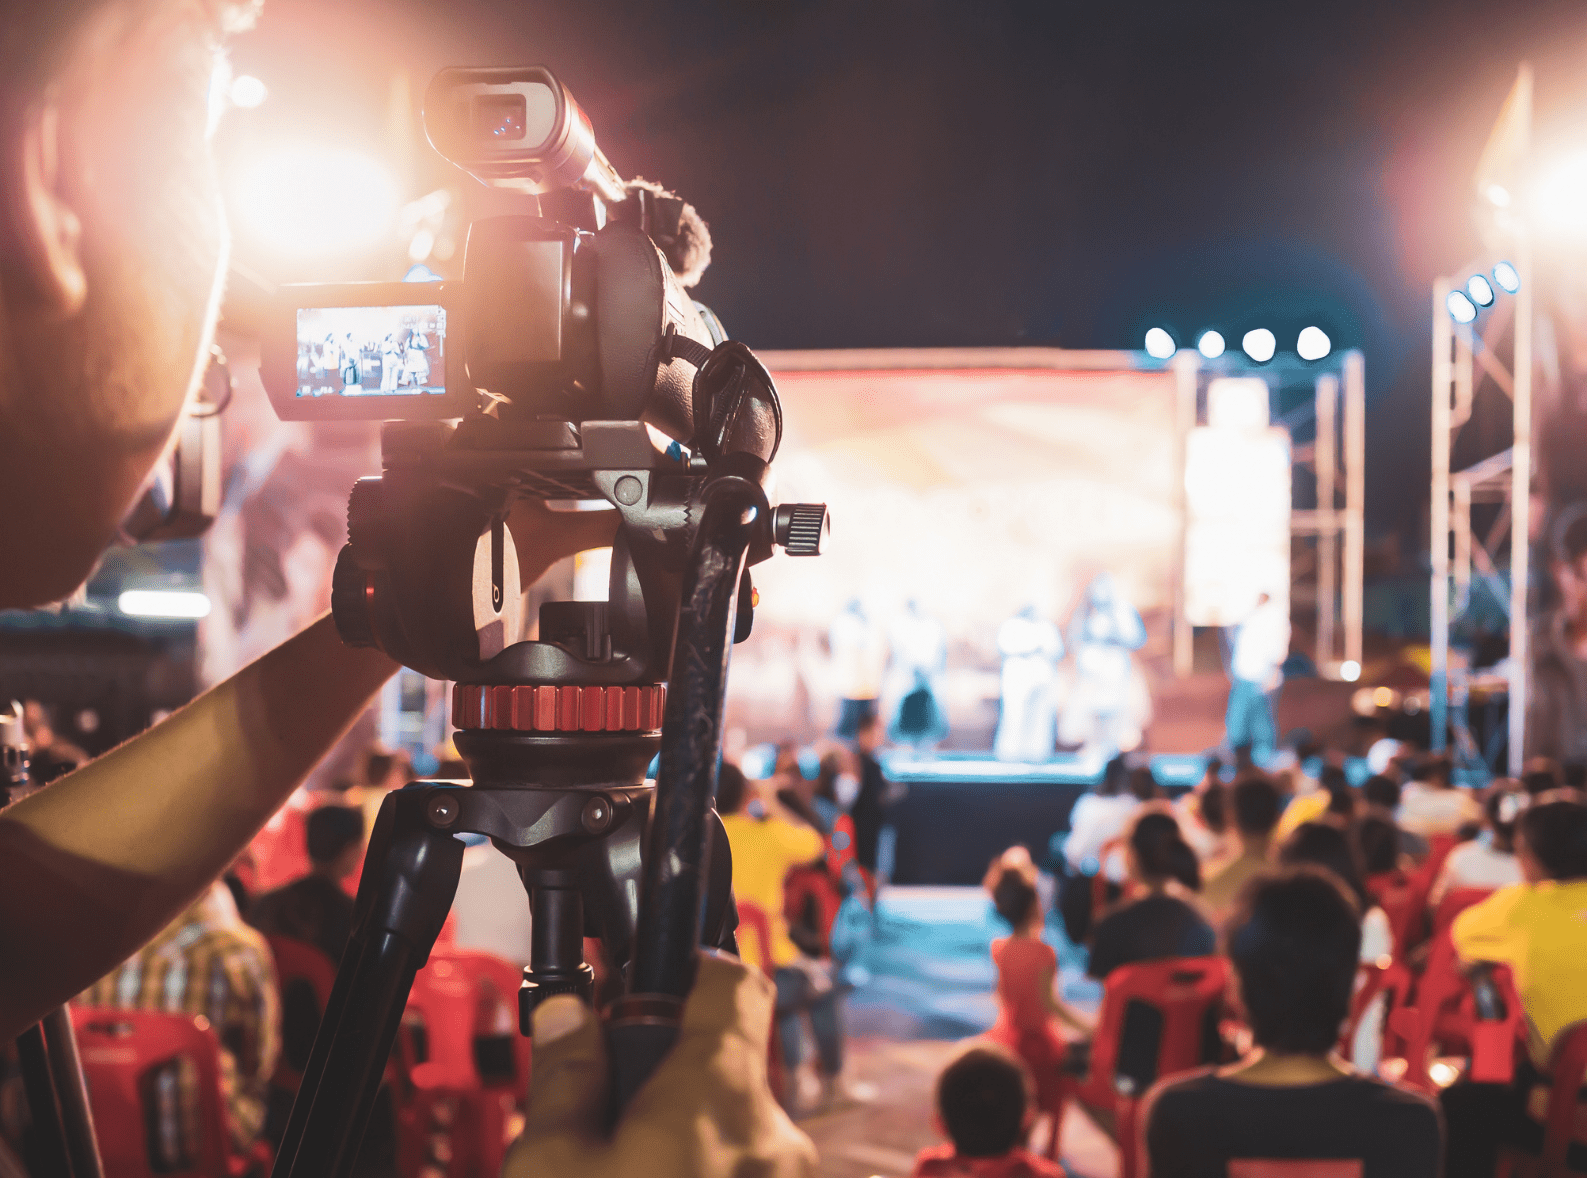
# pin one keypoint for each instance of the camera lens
(499, 118)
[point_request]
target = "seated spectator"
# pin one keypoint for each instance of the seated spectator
(1380, 798)
(1255, 802)
(1160, 922)
(1098, 818)
(1294, 941)
(1539, 929)
(316, 909)
(764, 847)
(1432, 804)
(1488, 861)
(984, 1107)
(1540, 775)
(1203, 814)
(208, 962)
(1309, 799)
(1378, 845)
(1029, 1011)
(1323, 845)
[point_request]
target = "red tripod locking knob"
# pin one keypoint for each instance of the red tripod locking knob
(547, 708)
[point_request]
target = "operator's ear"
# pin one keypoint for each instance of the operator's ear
(44, 273)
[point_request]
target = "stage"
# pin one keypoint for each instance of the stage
(962, 809)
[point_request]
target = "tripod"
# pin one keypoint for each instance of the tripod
(559, 786)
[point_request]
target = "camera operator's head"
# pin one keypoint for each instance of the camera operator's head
(112, 245)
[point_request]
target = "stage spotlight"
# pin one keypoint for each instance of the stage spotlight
(1559, 202)
(316, 200)
(1259, 345)
(1350, 670)
(1210, 344)
(1461, 308)
(1508, 278)
(1159, 344)
(247, 91)
(1480, 290)
(1313, 344)
(163, 603)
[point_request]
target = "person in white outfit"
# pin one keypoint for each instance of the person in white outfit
(1260, 647)
(1099, 714)
(1031, 647)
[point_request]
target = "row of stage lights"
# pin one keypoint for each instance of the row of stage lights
(1463, 305)
(1259, 344)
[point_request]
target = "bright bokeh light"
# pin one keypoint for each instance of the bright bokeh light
(1480, 290)
(317, 199)
(1461, 308)
(1259, 345)
(1350, 670)
(1559, 199)
(1313, 343)
(163, 603)
(248, 91)
(1159, 344)
(1508, 277)
(1210, 344)
(1499, 196)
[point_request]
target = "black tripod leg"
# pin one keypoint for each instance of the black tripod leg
(43, 1105)
(77, 1119)
(410, 877)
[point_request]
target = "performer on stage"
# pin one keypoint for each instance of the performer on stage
(1031, 647)
(1099, 715)
(920, 652)
(1261, 644)
(859, 659)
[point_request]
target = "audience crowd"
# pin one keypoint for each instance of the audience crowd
(1310, 891)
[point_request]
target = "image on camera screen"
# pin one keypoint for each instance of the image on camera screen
(371, 351)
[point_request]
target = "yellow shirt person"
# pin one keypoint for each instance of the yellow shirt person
(1540, 931)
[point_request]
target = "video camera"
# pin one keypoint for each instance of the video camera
(568, 364)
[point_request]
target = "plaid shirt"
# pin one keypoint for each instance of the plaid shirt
(209, 962)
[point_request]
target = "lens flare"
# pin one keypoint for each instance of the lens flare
(316, 200)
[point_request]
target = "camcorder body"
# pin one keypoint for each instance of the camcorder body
(571, 366)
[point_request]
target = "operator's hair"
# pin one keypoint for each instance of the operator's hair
(36, 35)
(1161, 851)
(1381, 790)
(1556, 834)
(331, 830)
(981, 1099)
(1294, 939)
(1013, 897)
(1256, 805)
(730, 787)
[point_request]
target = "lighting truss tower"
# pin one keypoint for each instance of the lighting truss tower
(1464, 358)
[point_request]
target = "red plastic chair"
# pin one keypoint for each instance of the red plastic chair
(1438, 848)
(1404, 901)
(752, 919)
(299, 965)
(448, 1116)
(1158, 1018)
(1454, 902)
(127, 1055)
(1393, 983)
(1443, 1020)
(1568, 1067)
(807, 888)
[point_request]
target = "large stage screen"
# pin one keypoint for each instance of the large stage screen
(975, 493)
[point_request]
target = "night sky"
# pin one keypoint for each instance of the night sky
(932, 173)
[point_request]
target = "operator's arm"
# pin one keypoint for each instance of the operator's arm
(100, 861)
(104, 858)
